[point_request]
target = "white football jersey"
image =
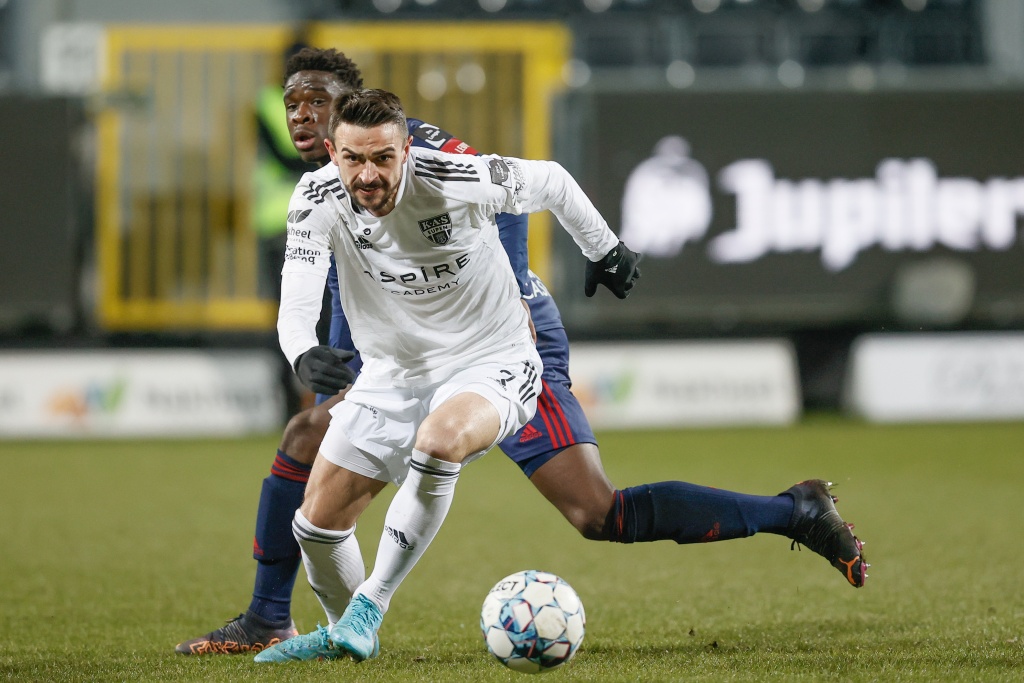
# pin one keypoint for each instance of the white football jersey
(428, 288)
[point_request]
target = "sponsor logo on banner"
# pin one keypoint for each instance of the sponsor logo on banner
(138, 393)
(906, 206)
(437, 229)
(686, 384)
(940, 376)
(94, 399)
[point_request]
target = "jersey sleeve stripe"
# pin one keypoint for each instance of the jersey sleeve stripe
(447, 178)
(318, 192)
(440, 164)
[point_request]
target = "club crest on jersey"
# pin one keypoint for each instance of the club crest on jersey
(500, 173)
(437, 229)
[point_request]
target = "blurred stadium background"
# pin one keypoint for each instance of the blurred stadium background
(828, 192)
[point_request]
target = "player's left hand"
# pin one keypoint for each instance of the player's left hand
(618, 270)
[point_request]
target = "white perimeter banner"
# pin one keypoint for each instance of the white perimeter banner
(622, 386)
(139, 393)
(935, 377)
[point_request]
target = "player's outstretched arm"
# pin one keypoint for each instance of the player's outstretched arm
(611, 263)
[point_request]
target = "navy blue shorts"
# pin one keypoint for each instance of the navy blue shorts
(559, 422)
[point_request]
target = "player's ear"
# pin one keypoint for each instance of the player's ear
(405, 150)
(331, 150)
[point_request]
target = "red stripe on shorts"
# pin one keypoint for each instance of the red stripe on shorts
(551, 412)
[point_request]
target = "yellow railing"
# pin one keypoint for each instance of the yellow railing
(177, 142)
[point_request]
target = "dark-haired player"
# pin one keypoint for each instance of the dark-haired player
(556, 450)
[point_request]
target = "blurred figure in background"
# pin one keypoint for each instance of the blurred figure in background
(277, 169)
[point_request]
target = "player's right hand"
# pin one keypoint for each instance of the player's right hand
(323, 369)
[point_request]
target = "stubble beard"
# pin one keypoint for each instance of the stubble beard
(387, 195)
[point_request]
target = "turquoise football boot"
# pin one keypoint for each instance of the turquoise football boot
(356, 631)
(315, 645)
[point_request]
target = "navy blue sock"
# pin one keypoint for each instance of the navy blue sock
(272, 592)
(687, 513)
(274, 545)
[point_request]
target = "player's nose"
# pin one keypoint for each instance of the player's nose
(302, 113)
(368, 172)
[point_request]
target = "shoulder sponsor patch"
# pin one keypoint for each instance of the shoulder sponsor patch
(457, 146)
(500, 172)
(298, 216)
(437, 229)
(432, 135)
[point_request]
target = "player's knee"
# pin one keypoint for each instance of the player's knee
(304, 433)
(449, 443)
(589, 522)
(439, 448)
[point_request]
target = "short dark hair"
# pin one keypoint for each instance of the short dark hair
(329, 60)
(367, 109)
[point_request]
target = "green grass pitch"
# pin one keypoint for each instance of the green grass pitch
(112, 552)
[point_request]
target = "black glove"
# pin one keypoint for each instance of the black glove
(617, 271)
(323, 369)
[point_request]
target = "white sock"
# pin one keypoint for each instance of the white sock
(334, 565)
(416, 513)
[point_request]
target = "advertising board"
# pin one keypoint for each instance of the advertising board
(785, 209)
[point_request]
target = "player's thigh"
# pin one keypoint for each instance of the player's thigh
(478, 407)
(373, 431)
(465, 423)
(336, 496)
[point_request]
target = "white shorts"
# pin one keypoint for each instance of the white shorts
(373, 431)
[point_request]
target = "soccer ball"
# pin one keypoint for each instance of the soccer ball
(532, 621)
